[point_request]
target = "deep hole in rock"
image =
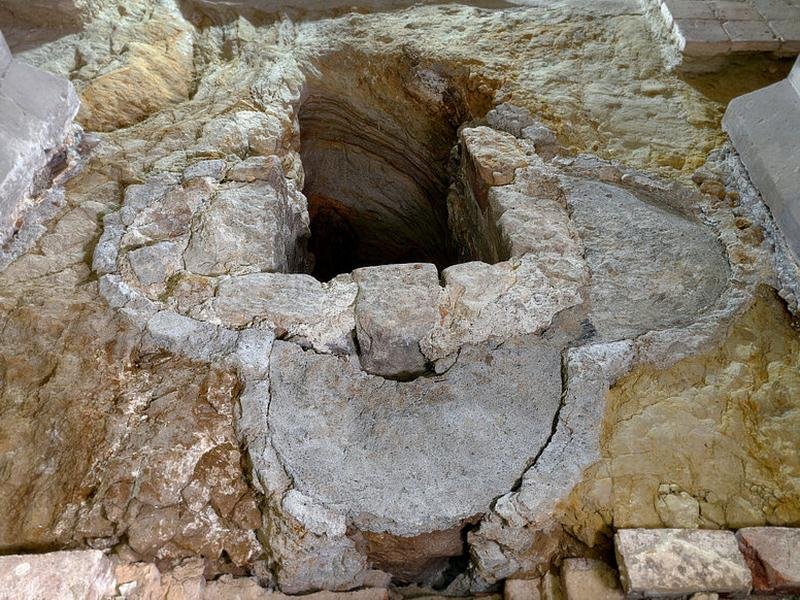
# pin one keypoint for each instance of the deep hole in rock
(375, 148)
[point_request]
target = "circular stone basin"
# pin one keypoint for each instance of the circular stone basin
(418, 456)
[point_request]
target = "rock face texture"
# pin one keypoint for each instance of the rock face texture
(762, 125)
(366, 300)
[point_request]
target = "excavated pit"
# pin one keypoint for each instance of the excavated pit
(373, 199)
(376, 161)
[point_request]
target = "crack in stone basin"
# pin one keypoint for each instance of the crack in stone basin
(413, 457)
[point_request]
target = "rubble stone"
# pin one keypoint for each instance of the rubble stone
(395, 309)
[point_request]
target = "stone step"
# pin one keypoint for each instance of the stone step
(710, 28)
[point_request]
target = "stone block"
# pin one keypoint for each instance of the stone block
(788, 32)
(668, 563)
(42, 96)
(586, 578)
(776, 9)
(773, 554)
(701, 37)
(751, 36)
(765, 128)
(78, 575)
(396, 307)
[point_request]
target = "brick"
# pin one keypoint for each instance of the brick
(773, 555)
(788, 31)
(700, 37)
(776, 9)
(750, 36)
(735, 11)
(668, 563)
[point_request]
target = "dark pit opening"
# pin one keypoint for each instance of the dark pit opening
(376, 149)
(372, 199)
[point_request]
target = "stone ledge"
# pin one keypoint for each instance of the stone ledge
(708, 28)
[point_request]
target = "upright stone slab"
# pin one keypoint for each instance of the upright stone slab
(36, 113)
(765, 129)
(78, 575)
(673, 563)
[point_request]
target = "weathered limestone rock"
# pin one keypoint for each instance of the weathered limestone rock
(764, 126)
(651, 410)
(773, 554)
(492, 159)
(153, 70)
(585, 578)
(665, 563)
(138, 581)
(155, 264)
(246, 228)
(392, 90)
(395, 308)
(77, 575)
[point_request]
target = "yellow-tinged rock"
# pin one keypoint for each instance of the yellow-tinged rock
(157, 72)
(710, 442)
